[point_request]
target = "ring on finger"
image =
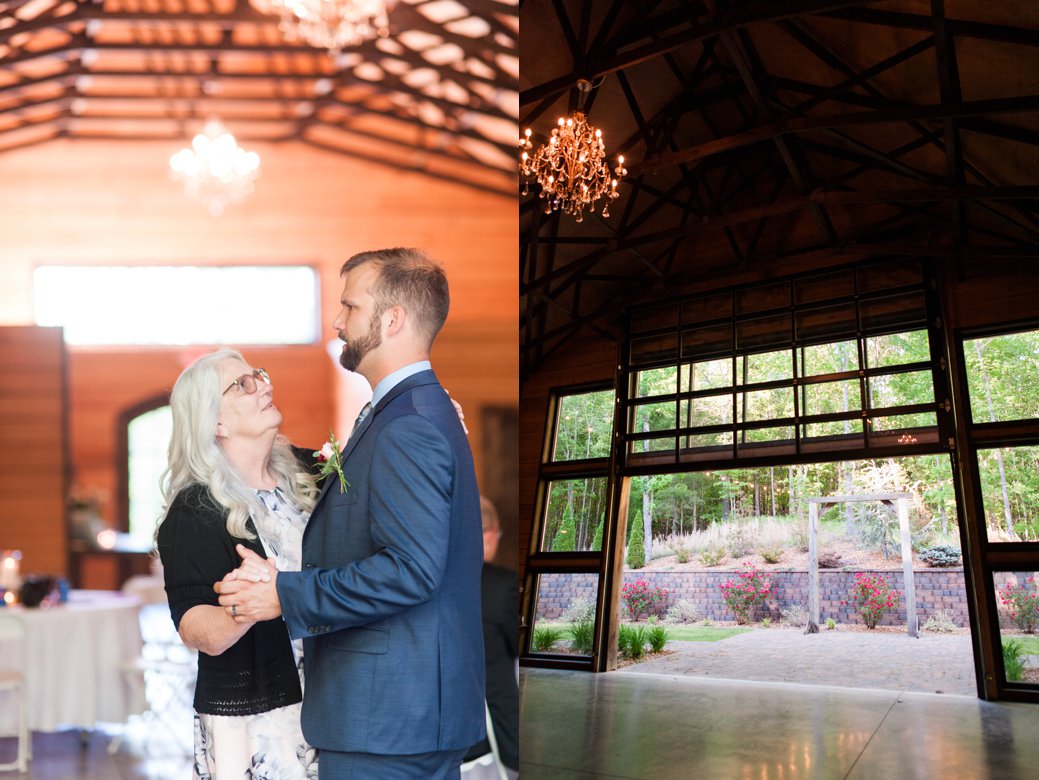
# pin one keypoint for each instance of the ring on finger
(234, 610)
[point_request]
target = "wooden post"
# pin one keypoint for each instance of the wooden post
(907, 568)
(813, 569)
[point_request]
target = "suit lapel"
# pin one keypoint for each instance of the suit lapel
(415, 380)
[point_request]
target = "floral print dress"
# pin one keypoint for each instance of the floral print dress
(268, 745)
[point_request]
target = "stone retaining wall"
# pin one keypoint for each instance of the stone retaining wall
(936, 589)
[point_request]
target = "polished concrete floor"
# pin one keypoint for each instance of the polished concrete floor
(656, 727)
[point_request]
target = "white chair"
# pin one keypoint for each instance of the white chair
(164, 674)
(489, 764)
(12, 683)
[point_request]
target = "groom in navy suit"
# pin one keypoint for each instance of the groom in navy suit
(388, 601)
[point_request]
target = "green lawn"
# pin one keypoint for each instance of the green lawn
(1029, 644)
(681, 633)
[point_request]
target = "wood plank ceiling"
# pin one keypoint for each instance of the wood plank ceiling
(769, 134)
(437, 95)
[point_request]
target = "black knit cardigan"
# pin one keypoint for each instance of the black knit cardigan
(257, 673)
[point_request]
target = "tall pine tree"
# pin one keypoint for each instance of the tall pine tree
(636, 549)
(566, 535)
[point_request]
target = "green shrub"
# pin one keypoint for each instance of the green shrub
(580, 608)
(766, 622)
(1022, 602)
(940, 556)
(631, 641)
(546, 638)
(684, 611)
(830, 624)
(772, 554)
(636, 546)
(681, 553)
(940, 622)
(597, 538)
(712, 556)
(657, 638)
(581, 634)
(1013, 663)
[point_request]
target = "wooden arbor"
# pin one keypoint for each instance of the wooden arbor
(896, 501)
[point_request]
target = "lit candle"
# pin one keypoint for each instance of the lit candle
(9, 598)
(10, 571)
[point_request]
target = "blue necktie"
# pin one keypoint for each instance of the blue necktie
(360, 418)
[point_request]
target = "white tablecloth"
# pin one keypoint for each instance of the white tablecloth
(75, 654)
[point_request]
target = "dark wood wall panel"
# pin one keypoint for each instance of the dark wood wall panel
(34, 446)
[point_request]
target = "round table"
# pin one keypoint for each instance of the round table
(75, 653)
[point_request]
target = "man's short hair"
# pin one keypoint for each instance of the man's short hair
(411, 279)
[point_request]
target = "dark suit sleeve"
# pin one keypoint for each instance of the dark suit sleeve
(411, 481)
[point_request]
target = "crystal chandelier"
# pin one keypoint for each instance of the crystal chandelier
(330, 24)
(571, 168)
(216, 170)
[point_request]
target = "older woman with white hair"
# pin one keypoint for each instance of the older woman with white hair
(233, 479)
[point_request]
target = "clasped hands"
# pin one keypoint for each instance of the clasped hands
(249, 593)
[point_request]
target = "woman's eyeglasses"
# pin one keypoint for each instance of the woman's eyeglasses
(248, 381)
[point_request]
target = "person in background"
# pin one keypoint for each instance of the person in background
(388, 599)
(232, 479)
(499, 588)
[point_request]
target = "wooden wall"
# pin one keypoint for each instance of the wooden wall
(95, 202)
(33, 447)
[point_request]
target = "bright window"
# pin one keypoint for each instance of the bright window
(148, 439)
(179, 304)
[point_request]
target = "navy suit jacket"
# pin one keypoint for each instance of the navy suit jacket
(388, 599)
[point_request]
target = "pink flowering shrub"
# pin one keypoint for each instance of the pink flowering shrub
(750, 589)
(640, 597)
(1023, 604)
(872, 597)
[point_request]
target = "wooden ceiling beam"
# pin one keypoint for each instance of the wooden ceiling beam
(793, 124)
(960, 28)
(739, 16)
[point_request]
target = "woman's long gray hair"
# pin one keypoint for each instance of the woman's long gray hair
(195, 456)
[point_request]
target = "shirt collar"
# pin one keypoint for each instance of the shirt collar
(390, 381)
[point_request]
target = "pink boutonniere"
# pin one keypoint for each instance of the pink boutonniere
(331, 459)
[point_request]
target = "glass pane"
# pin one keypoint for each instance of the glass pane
(823, 287)
(829, 323)
(764, 332)
(831, 397)
(564, 614)
(575, 512)
(709, 440)
(765, 404)
(656, 381)
(898, 422)
(895, 349)
(707, 374)
(222, 298)
(656, 349)
(820, 359)
(897, 311)
(764, 367)
(585, 426)
(1017, 604)
(914, 387)
(707, 341)
(711, 307)
(1003, 376)
(763, 298)
(708, 410)
(756, 435)
(654, 318)
(148, 438)
(833, 428)
(654, 417)
(1010, 492)
(658, 445)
